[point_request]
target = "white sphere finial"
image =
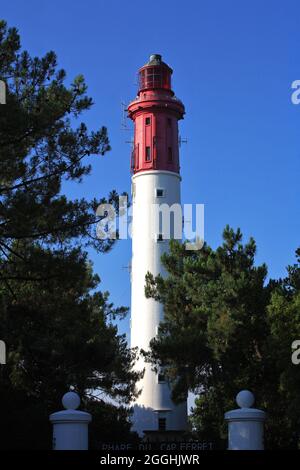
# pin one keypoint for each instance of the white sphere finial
(71, 401)
(245, 399)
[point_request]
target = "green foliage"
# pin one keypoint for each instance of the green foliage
(110, 424)
(54, 320)
(59, 336)
(40, 147)
(226, 329)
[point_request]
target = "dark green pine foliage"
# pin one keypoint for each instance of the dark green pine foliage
(54, 320)
(227, 329)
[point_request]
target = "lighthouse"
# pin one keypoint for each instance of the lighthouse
(155, 182)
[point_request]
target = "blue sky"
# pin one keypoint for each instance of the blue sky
(233, 63)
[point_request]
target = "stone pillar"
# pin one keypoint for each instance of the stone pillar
(246, 424)
(70, 426)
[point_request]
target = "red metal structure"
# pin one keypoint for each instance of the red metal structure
(155, 113)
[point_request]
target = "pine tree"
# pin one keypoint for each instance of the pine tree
(53, 318)
(226, 329)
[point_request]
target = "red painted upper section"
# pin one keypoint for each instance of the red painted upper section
(155, 113)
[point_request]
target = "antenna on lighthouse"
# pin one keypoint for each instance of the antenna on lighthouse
(128, 267)
(182, 141)
(124, 125)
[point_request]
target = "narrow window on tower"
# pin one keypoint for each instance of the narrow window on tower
(148, 154)
(148, 121)
(160, 192)
(161, 377)
(132, 159)
(136, 157)
(162, 424)
(170, 155)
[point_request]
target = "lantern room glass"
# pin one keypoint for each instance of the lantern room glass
(155, 77)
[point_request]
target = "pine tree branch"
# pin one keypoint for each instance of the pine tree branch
(27, 278)
(40, 178)
(63, 228)
(11, 251)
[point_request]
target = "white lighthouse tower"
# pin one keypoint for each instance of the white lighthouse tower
(156, 180)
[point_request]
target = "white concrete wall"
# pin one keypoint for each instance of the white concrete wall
(146, 314)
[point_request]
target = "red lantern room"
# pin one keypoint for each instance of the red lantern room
(155, 74)
(155, 113)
